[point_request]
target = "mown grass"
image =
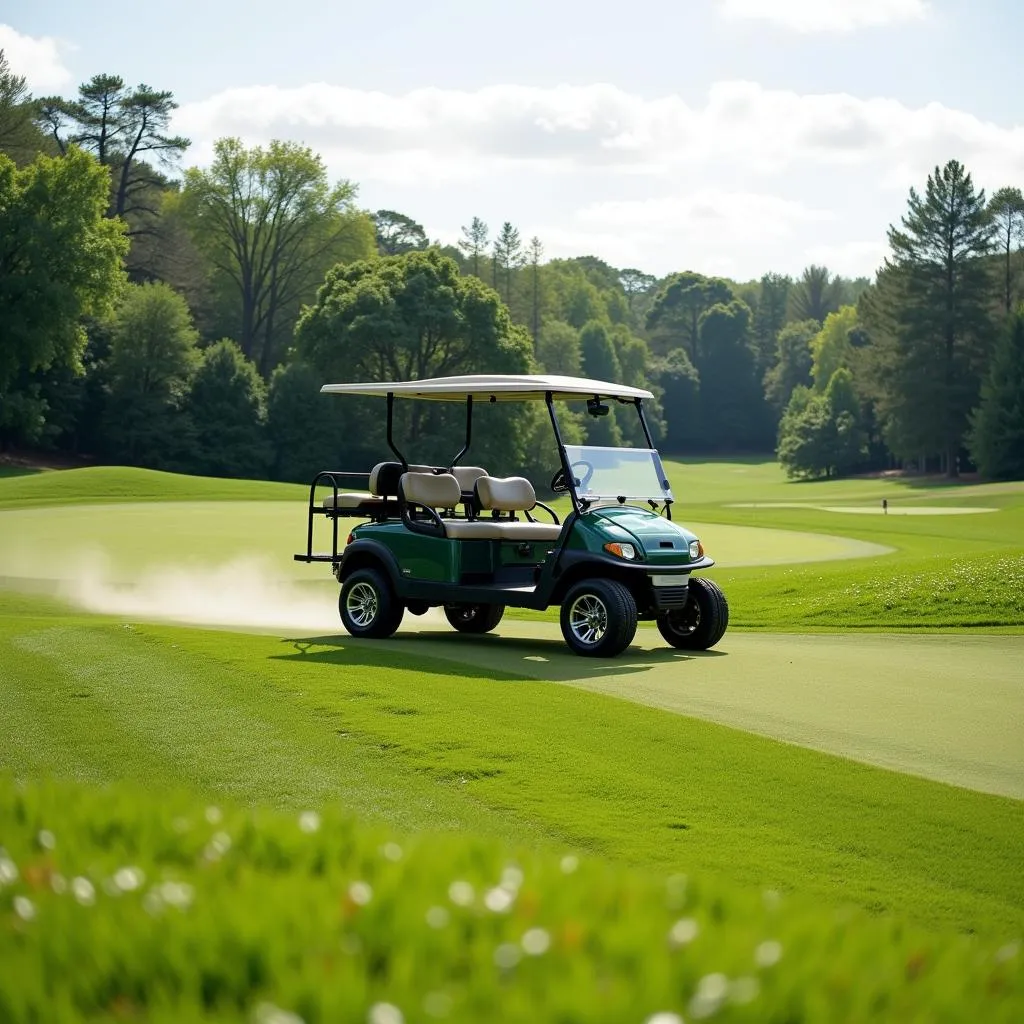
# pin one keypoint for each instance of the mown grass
(118, 906)
(424, 743)
(102, 484)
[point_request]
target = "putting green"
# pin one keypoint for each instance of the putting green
(948, 708)
(893, 510)
(123, 540)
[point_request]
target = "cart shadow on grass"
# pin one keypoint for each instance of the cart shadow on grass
(496, 657)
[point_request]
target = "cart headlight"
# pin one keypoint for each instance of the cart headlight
(621, 550)
(696, 549)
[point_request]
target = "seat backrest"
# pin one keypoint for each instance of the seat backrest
(384, 477)
(505, 494)
(435, 490)
(468, 475)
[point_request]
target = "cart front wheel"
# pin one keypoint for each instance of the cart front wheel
(368, 605)
(701, 622)
(598, 618)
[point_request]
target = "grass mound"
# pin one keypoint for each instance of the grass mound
(118, 905)
(104, 484)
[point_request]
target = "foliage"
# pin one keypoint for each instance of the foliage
(997, 431)
(123, 127)
(930, 318)
(414, 316)
(20, 139)
(678, 307)
(558, 349)
(831, 348)
(769, 318)
(815, 295)
(821, 433)
(1007, 211)
(456, 927)
(153, 356)
(679, 383)
(270, 223)
(732, 406)
(226, 404)
(54, 270)
(398, 233)
(474, 244)
(601, 362)
(794, 359)
(307, 430)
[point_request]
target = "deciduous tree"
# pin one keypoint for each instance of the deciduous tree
(679, 305)
(270, 223)
(398, 233)
(793, 363)
(60, 260)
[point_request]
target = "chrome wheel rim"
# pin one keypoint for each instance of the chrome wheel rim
(361, 604)
(588, 619)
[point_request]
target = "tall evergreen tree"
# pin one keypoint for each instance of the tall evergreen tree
(938, 327)
(474, 244)
(534, 251)
(815, 295)
(1007, 210)
(997, 428)
(508, 255)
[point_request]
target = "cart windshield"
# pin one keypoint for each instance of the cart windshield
(607, 474)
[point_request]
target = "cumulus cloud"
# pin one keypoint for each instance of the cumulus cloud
(825, 15)
(37, 58)
(438, 135)
(713, 229)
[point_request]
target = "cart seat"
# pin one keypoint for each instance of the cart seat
(384, 479)
(514, 494)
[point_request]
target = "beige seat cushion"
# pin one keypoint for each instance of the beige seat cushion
(352, 500)
(529, 531)
(468, 475)
(480, 529)
(440, 490)
(506, 494)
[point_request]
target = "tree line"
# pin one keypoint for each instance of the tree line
(184, 318)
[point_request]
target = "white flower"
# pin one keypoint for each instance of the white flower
(437, 917)
(384, 1013)
(683, 932)
(83, 891)
(391, 852)
(360, 893)
(46, 839)
(129, 879)
(460, 893)
(24, 908)
(536, 942)
(309, 821)
(570, 863)
(498, 900)
(768, 953)
(213, 815)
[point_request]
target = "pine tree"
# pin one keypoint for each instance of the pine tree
(997, 433)
(935, 304)
(533, 254)
(1007, 210)
(474, 243)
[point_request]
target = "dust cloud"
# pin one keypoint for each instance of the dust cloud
(244, 593)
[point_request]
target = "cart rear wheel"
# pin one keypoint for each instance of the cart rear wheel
(701, 622)
(598, 618)
(368, 605)
(474, 618)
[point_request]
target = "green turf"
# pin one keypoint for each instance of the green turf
(426, 742)
(121, 907)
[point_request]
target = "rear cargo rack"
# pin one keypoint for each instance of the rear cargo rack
(332, 476)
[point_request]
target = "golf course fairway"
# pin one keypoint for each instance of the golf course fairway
(943, 707)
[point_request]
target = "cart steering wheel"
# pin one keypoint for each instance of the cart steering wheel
(558, 481)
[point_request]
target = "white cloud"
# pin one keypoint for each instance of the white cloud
(435, 136)
(825, 15)
(706, 229)
(37, 58)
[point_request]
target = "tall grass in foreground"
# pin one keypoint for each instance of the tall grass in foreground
(116, 904)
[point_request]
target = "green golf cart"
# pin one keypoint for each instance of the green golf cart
(457, 538)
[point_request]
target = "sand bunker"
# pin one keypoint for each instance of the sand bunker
(893, 510)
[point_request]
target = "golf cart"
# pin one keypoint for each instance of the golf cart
(457, 538)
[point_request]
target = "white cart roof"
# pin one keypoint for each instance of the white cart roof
(493, 388)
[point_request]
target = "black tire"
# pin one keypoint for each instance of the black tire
(701, 622)
(368, 605)
(598, 618)
(474, 618)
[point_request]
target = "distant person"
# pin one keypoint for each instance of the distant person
(885, 506)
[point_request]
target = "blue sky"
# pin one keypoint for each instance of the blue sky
(730, 136)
